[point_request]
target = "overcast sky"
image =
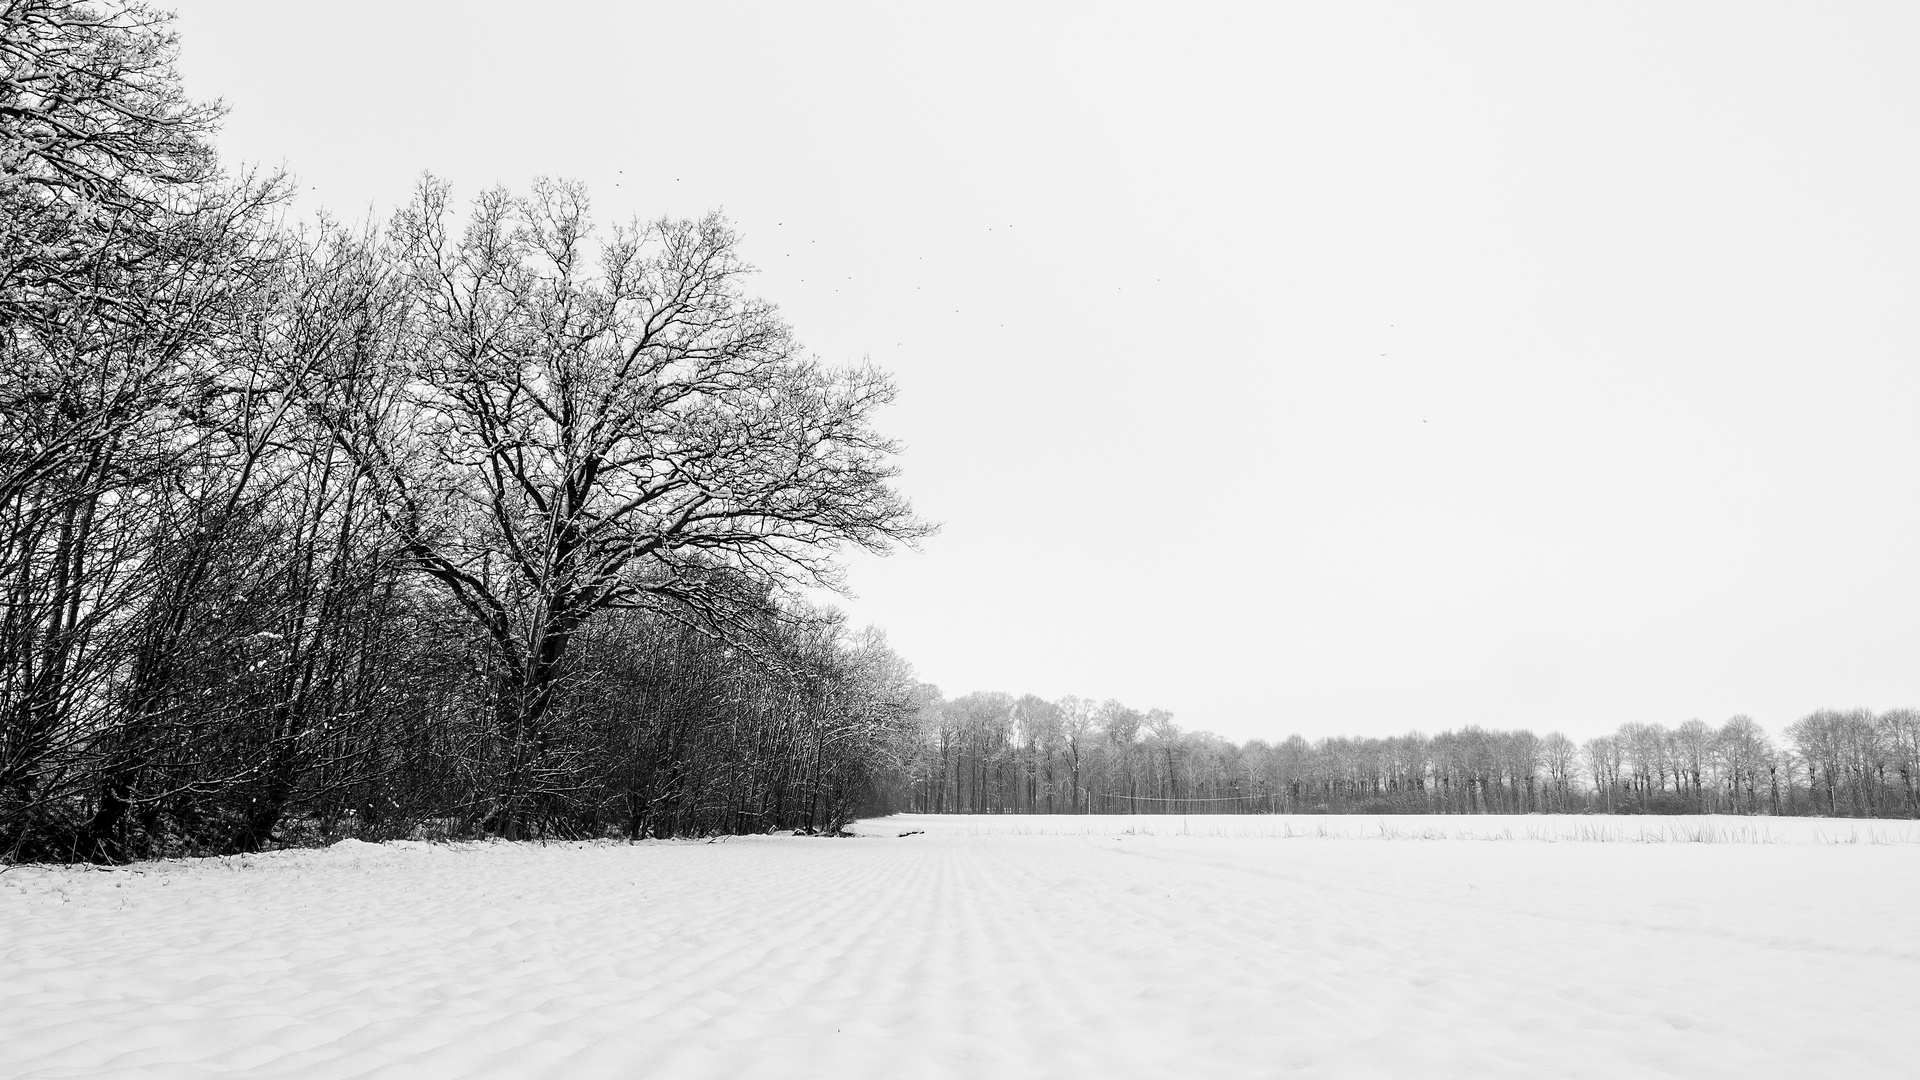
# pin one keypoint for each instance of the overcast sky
(1337, 368)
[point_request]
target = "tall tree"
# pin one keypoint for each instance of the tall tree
(569, 423)
(129, 270)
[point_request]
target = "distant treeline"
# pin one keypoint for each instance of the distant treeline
(993, 753)
(474, 523)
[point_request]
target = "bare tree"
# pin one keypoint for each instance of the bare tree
(1562, 758)
(1121, 727)
(1819, 742)
(1745, 753)
(1899, 731)
(129, 272)
(1077, 727)
(1038, 725)
(1693, 747)
(564, 426)
(1603, 764)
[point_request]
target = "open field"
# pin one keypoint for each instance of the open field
(1011, 947)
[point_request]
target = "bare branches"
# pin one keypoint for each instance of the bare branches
(563, 427)
(988, 752)
(303, 528)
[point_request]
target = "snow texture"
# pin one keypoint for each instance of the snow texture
(1004, 946)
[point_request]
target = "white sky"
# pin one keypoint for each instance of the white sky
(1339, 368)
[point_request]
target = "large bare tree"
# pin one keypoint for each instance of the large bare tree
(568, 421)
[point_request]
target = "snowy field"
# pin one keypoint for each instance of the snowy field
(1206, 947)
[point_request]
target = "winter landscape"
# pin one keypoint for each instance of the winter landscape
(1160, 946)
(691, 542)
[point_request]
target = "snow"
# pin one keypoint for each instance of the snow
(992, 946)
(1649, 829)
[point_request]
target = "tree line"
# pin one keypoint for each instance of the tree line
(995, 753)
(482, 521)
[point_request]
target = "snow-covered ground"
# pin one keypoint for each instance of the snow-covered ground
(1207, 947)
(1571, 828)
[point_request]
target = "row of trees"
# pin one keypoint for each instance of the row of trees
(478, 522)
(994, 753)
